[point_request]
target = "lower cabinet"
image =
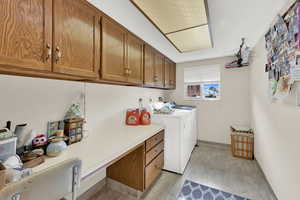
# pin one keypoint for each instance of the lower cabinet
(140, 167)
(153, 170)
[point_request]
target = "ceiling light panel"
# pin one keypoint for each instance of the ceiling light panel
(191, 39)
(174, 15)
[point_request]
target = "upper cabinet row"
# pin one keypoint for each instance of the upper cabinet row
(73, 38)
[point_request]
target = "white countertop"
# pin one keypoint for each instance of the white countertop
(98, 150)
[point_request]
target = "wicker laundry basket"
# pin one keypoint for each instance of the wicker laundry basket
(242, 142)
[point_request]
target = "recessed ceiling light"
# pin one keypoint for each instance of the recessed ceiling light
(183, 23)
(191, 39)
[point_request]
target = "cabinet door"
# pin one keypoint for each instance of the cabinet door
(173, 76)
(159, 70)
(135, 59)
(113, 51)
(167, 73)
(26, 34)
(154, 169)
(149, 66)
(76, 38)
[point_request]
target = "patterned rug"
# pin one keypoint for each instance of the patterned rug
(192, 191)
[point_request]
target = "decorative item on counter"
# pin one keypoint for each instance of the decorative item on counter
(20, 132)
(54, 126)
(13, 162)
(73, 112)
(56, 148)
(34, 162)
(27, 143)
(8, 148)
(133, 117)
(5, 134)
(145, 118)
(31, 155)
(57, 144)
(74, 130)
(39, 141)
(8, 125)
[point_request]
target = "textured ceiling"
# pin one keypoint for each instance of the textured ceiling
(184, 23)
(174, 15)
(192, 39)
(230, 21)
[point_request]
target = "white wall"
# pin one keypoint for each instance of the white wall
(276, 128)
(215, 117)
(37, 101)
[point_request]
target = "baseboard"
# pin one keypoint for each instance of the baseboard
(213, 143)
(263, 173)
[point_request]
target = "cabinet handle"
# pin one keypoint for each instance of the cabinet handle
(58, 54)
(48, 53)
(129, 71)
(126, 71)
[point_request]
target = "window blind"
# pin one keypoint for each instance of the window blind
(208, 73)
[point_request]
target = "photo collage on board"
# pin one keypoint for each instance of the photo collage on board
(282, 43)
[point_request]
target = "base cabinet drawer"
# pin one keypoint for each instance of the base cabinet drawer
(150, 155)
(153, 141)
(153, 170)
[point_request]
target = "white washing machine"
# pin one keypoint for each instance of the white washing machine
(180, 137)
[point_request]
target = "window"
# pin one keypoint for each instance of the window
(202, 83)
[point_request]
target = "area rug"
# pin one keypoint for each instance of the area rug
(192, 191)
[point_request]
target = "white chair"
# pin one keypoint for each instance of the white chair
(56, 183)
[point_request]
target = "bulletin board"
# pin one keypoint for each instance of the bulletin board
(283, 47)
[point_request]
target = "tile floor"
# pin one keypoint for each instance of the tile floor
(210, 165)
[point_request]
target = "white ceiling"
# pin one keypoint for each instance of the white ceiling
(230, 21)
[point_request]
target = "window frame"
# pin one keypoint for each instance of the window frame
(202, 98)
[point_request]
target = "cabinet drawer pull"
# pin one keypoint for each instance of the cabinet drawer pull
(48, 53)
(58, 54)
(126, 71)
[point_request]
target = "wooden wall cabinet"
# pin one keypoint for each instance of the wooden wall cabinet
(26, 34)
(122, 54)
(159, 70)
(140, 168)
(113, 51)
(135, 58)
(153, 68)
(76, 44)
(149, 60)
(173, 75)
(73, 40)
(168, 66)
(170, 74)
(27, 42)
